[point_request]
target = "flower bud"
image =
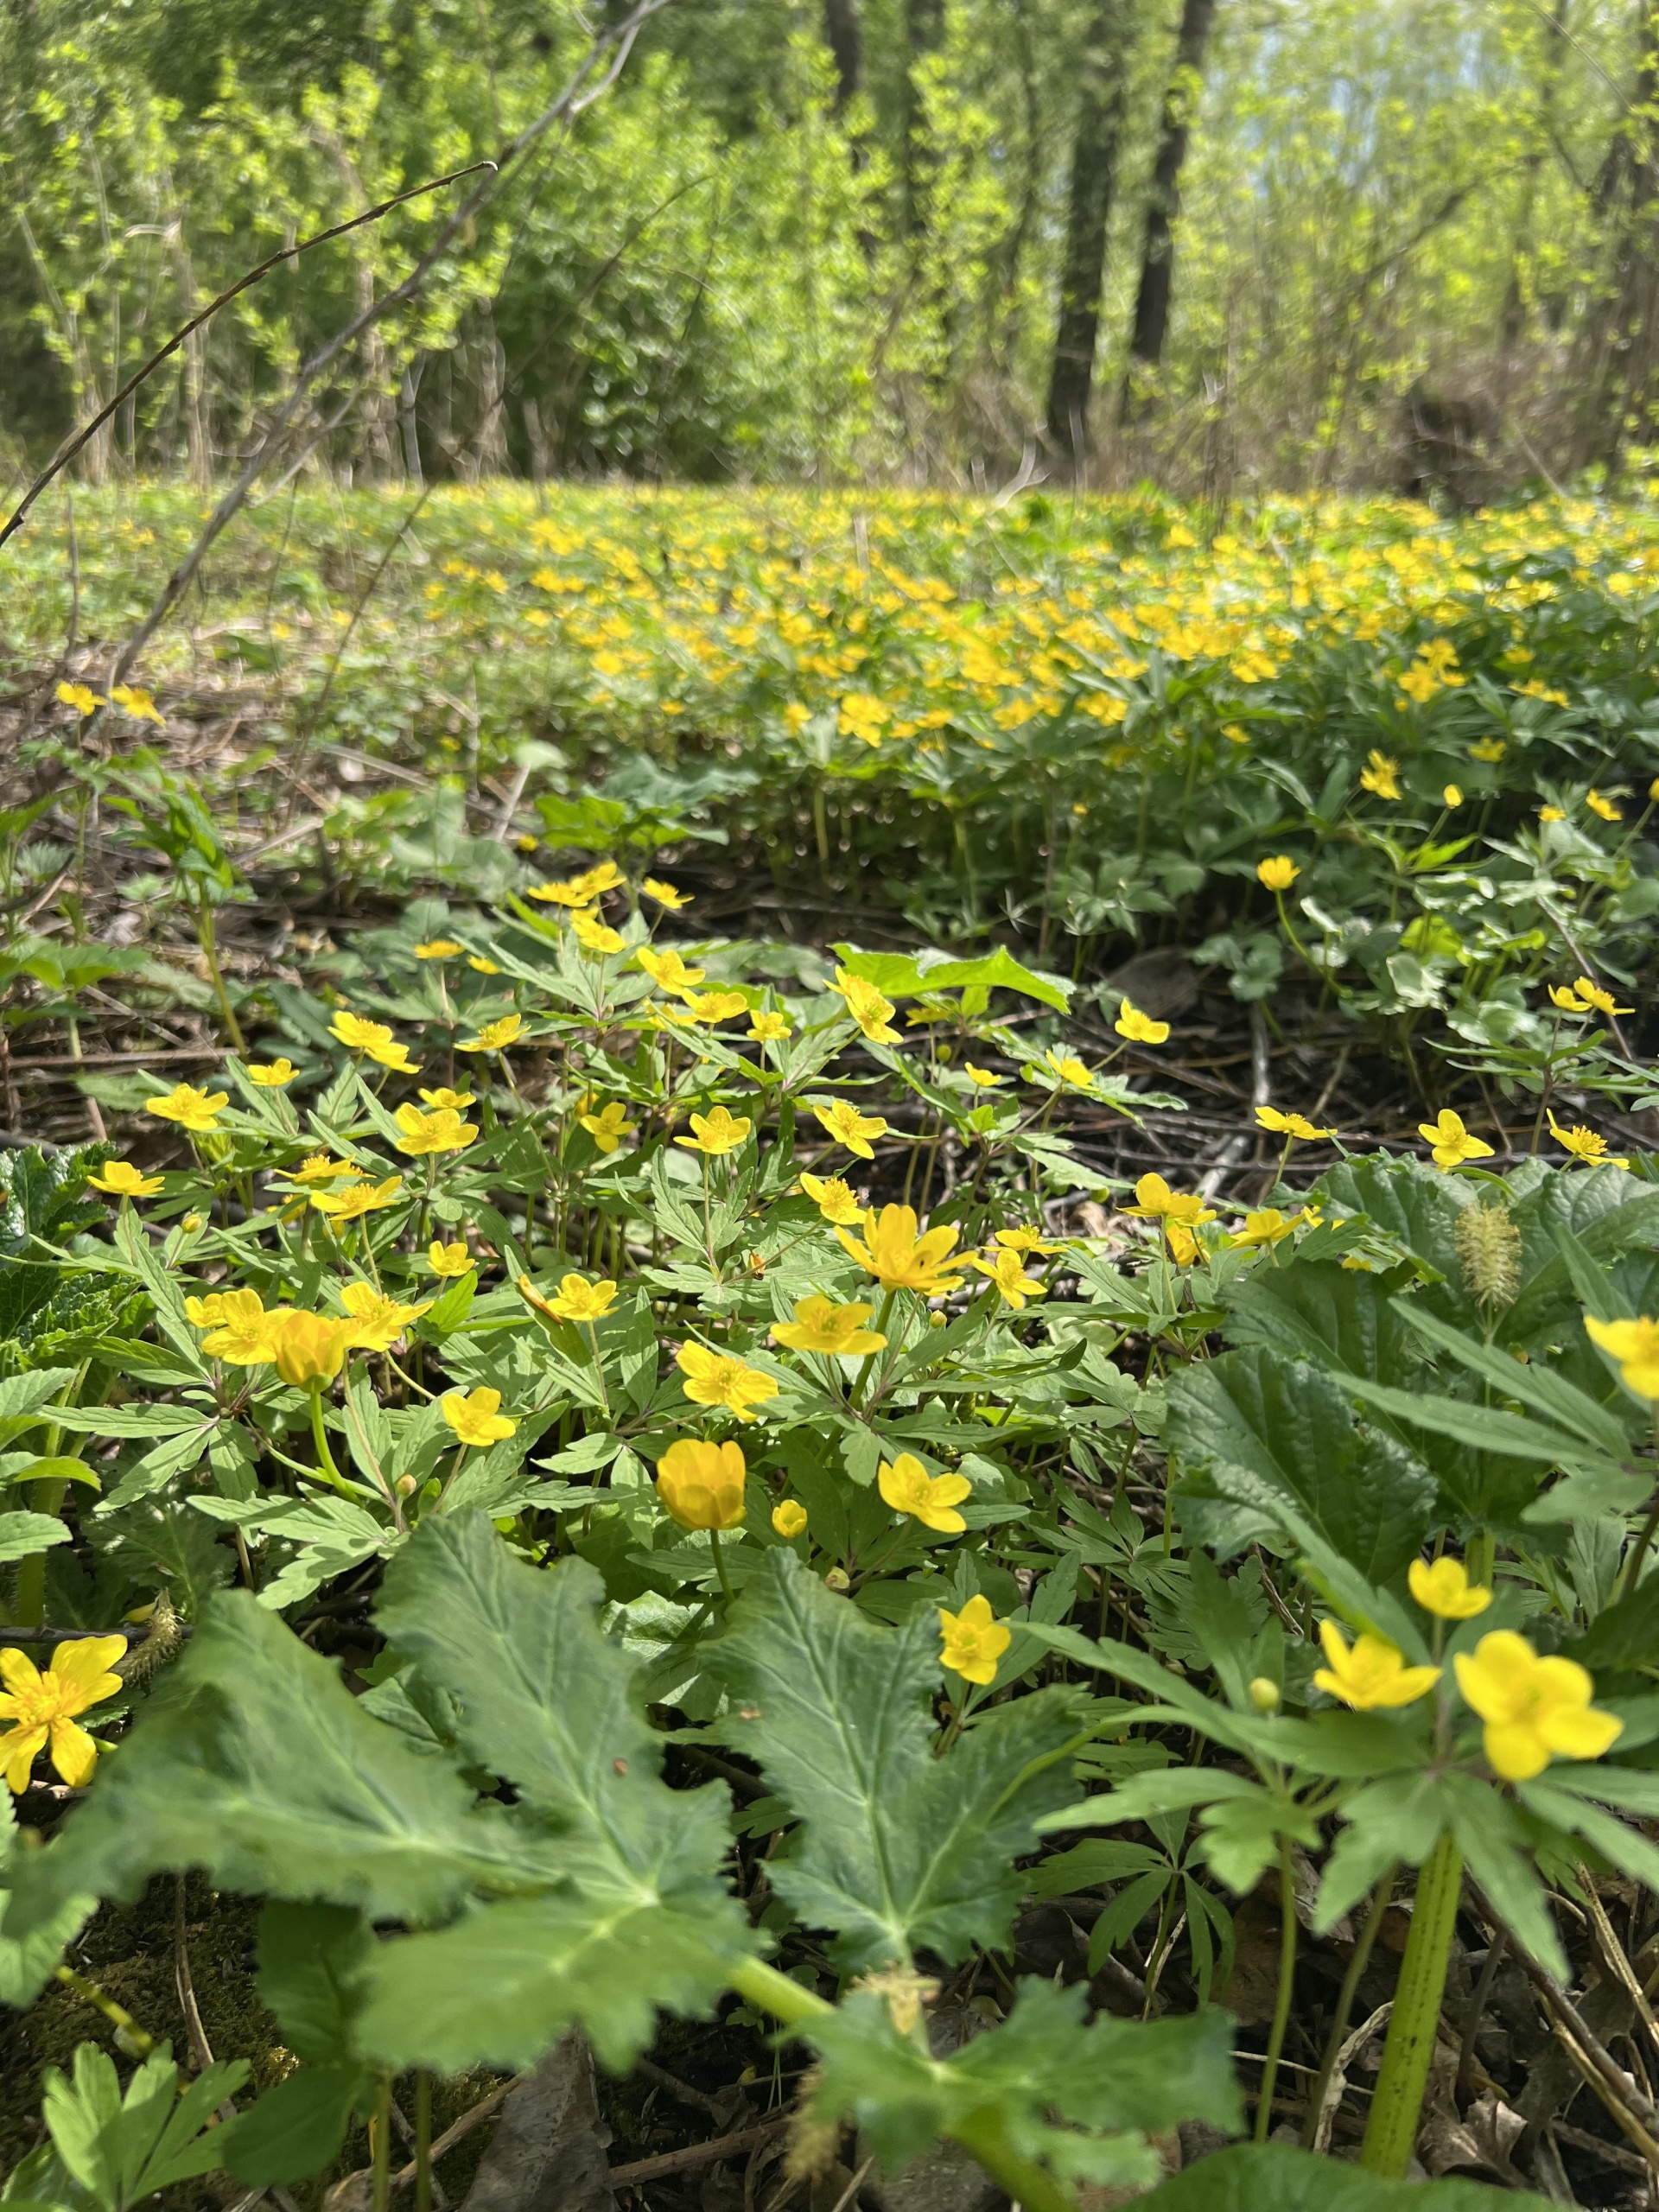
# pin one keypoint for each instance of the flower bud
(839, 1580)
(1264, 1693)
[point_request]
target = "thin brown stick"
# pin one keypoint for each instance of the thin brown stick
(82, 437)
(696, 2154)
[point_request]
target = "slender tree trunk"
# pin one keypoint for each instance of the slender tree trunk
(923, 34)
(844, 37)
(1620, 347)
(1102, 72)
(1521, 253)
(1152, 299)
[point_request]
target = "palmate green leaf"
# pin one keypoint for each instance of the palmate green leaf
(23, 1534)
(254, 1762)
(123, 2147)
(542, 1697)
(900, 1850)
(1414, 1203)
(1254, 1430)
(1113, 2080)
(1254, 2176)
(1535, 1384)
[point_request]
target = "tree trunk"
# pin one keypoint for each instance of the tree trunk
(1152, 300)
(924, 32)
(843, 36)
(1515, 301)
(1619, 353)
(1102, 69)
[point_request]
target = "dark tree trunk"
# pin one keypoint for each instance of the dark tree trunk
(924, 31)
(1094, 173)
(1620, 345)
(1513, 322)
(842, 37)
(1152, 299)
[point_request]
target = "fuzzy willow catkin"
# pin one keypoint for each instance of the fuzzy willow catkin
(1489, 1250)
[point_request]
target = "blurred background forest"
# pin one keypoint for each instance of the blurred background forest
(1227, 244)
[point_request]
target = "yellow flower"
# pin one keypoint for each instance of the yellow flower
(908, 1488)
(789, 1519)
(850, 1129)
(476, 960)
(1551, 814)
(1563, 996)
(308, 1348)
(666, 969)
(1024, 1240)
(1006, 1270)
(577, 891)
(1603, 807)
(449, 1260)
(395, 1056)
(1584, 1144)
(1444, 1590)
(821, 1326)
(716, 1133)
(1155, 1201)
(239, 1326)
(768, 1029)
(119, 1178)
(321, 1168)
(1535, 1709)
(868, 1008)
(379, 1320)
(80, 697)
(455, 1101)
(193, 1109)
(437, 948)
(665, 894)
(595, 937)
(494, 1036)
(833, 1199)
(1289, 1125)
(609, 1125)
(425, 1134)
(134, 700)
(363, 1198)
(714, 1378)
(1184, 1246)
(1381, 775)
(1452, 796)
(526, 844)
(1277, 873)
(714, 1006)
(578, 1299)
(358, 1035)
(1139, 1028)
(43, 1708)
(1490, 748)
(1635, 1346)
(891, 1250)
(1070, 1070)
(1450, 1142)
(981, 1078)
(972, 1641)
(702, 1484)
(271, 1074)
(1593, 995)
(1268, 1226)
(476, 1418)
(1373, 1674)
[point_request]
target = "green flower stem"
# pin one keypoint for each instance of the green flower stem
(1639, 1550)
(1339, 2018)
(422, 2141)
(206, 939)
(981, 2133)
(1395, 2107)
(380, 2139)
(132, 2038)
(326, 1466)
(599, 1371)
(720, 1566)
(1286, 1983)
